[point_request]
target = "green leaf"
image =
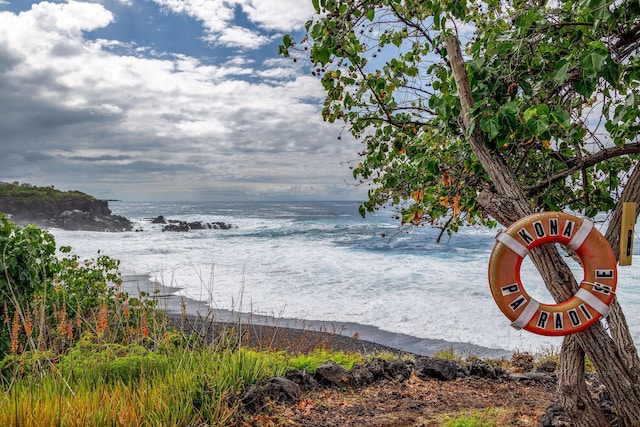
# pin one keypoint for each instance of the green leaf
(316, 5)
(530, 113)
(538, 126)
(592, 61)
(490, 125)
(611, 73)
(322, 56)
(370, 14)
(543, 110)
(560, 73)
(630, 100)
(585, 85)
(561, 117)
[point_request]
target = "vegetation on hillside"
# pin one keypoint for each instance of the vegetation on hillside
(24, 190)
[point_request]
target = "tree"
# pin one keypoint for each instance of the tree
(481, 112)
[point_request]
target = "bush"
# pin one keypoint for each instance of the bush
(50, 302)
(27, 261)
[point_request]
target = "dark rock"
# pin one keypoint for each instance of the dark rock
(360, 376)
(180, 227)
(159, 220)
(429, 367)
(175, 225)
(555, 417)
(331, 374)
(69, 211)
(399, 370)
(485, 370)
(376, 370)
(302, 378)
(379, 368)
(277, 390)
(534, 377)
(548, 366)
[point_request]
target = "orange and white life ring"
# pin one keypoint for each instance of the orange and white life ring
(597, 289)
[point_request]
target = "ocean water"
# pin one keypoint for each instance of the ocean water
(322, 261)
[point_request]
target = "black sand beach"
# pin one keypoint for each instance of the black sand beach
(339, 335)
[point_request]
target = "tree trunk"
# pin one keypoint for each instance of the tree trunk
(617, 323)
(583, 412)
(507, 204)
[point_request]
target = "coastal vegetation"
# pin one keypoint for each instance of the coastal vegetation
(23, 190)
(485, 112)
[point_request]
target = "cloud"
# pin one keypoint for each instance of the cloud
(98, 110)
(219, 18)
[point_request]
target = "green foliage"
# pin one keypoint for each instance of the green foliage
(27, 261)
(555, 91)
(470, 420)
(97, 363)
(50, 301)
(25, 364)
(447, 353)
(280, 361)
(310, 362)
(24, 190)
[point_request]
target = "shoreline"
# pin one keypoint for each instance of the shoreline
(352, 335)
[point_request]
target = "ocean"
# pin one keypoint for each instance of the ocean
(322, 262)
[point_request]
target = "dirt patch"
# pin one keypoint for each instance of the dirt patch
(416, 402)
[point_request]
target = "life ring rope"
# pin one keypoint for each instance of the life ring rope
(597, 288)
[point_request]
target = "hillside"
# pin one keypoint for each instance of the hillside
(50, 208)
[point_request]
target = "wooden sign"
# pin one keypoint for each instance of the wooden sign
(627, 232)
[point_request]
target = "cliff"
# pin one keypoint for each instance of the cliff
(50, 208)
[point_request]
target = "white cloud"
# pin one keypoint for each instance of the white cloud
(218, 18)
(78, 113)
(280, 15)
(239, 37)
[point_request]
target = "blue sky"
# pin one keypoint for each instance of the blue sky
(165, 100)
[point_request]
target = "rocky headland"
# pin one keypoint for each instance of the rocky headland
(50, 208)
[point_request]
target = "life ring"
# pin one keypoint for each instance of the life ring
(590, 302)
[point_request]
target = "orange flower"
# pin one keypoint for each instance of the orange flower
(103, 315)
(15, 333)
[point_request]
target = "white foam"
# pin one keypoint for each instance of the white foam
(280, 267)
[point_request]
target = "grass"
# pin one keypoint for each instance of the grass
(166, 376)
(490, 417)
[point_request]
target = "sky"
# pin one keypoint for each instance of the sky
(152, 100)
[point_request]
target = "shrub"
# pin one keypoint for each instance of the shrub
(27, 260)
(50, 302)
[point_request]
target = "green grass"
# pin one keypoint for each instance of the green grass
(180, 381)
(490, 417)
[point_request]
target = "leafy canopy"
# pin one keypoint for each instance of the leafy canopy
(555, 89)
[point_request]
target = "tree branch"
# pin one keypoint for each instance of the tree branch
(588, 161)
